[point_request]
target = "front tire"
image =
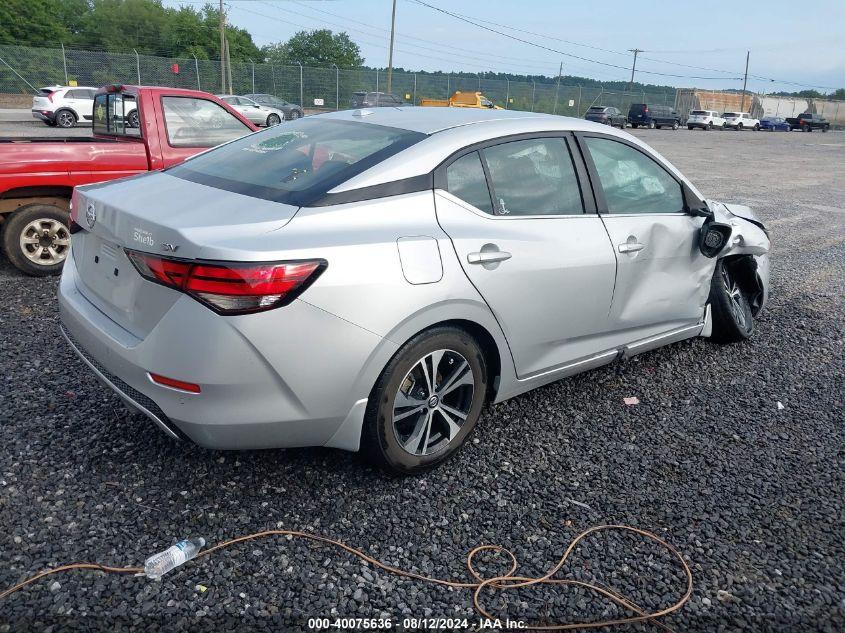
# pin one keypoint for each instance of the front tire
(676, 125)
(651, 125)
(426, 402)
(273, 119)
(36, 239)
(732, 318)
(294, 115)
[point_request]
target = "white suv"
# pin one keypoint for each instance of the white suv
(64, 106)
(705, 119)
(741, 120)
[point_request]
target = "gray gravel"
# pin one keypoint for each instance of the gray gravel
(750, 492)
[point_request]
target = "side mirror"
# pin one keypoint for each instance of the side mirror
(712, 237)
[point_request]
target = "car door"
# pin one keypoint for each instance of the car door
(75, 100)
(662, 280)
(543, 265)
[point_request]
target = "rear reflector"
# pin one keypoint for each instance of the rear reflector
(231, 287)
(181, 385)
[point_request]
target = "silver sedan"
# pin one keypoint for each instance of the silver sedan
(254, 111)
(371, 279)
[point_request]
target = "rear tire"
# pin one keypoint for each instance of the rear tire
(294, 115)
(806, 128)
(273, 119)
(652, 125)
(424, 436)
(65, 118)
(676, 125)
(690, 128)
(36, 239)
(756, 127)
(731, 312)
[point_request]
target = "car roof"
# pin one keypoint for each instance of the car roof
(430, 120)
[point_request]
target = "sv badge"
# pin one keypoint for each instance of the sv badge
(170, 248)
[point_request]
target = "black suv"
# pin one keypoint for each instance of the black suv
(608, 115)
(653, 116)
(375, 100)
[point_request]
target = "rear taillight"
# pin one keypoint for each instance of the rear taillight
(231, 287)
(50, 96)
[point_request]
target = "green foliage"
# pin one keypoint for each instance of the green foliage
(316, 48)
(121, 26)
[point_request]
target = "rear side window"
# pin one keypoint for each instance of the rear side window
(116, 114)
(465, 180)
(631, 181)
(297, 163)
(533, 177)
(194, 122)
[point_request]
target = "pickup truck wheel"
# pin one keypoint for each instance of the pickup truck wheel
(806, 128)
(824, 129)
(36, 239)
(65, 118)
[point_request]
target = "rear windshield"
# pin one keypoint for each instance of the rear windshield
(47, 91)
(638, 107)
(298, 162)
(699, 113)
(731, 114)
(596, 109)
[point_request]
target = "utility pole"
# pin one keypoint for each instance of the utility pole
(222, 47)
(745, 81)
(390, 55)
(635, 51)
(557, 87)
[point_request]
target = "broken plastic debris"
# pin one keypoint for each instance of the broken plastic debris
(201, 588)
(780, 406)
(631, 400)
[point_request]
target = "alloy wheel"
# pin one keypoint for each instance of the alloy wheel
(433, 402)
(734, 298)
(66, 119)
(45, 241)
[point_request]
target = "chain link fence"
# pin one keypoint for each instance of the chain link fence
(25, 70)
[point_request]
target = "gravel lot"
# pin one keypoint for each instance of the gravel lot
(750, 492)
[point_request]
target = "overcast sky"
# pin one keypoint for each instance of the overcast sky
(784, 44)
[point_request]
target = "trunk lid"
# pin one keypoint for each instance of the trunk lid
(164, 215)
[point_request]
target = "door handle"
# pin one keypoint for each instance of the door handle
(630, 247)
(488, 257)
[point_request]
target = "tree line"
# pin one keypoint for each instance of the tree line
(148, 27)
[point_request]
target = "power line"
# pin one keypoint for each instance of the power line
(553, 50)
(475, 22)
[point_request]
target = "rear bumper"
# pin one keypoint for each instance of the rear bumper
(283, 378)
(43, 115)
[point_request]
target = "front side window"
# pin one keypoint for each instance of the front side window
(192, 122)
(465, 180)
(533, 177)
(297, 162)
(116, 114)
(632, 182)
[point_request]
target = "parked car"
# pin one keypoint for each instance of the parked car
(37, 176)
(741, 121)
(608, 115)
(375, 100)
(775, 124)
(64, 106)
(807, 122)
(653, 116)
(337, 321)
(255, 112)
(292, 111)
(705, 119)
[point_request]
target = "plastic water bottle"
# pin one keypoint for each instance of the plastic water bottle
(159, 564)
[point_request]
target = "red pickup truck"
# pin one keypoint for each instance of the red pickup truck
(135, 129)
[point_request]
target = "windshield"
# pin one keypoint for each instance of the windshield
(296, 163)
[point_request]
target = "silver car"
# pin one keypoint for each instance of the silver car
(254, 111)
(370, 279)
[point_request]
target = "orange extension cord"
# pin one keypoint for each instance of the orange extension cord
(501, 583)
